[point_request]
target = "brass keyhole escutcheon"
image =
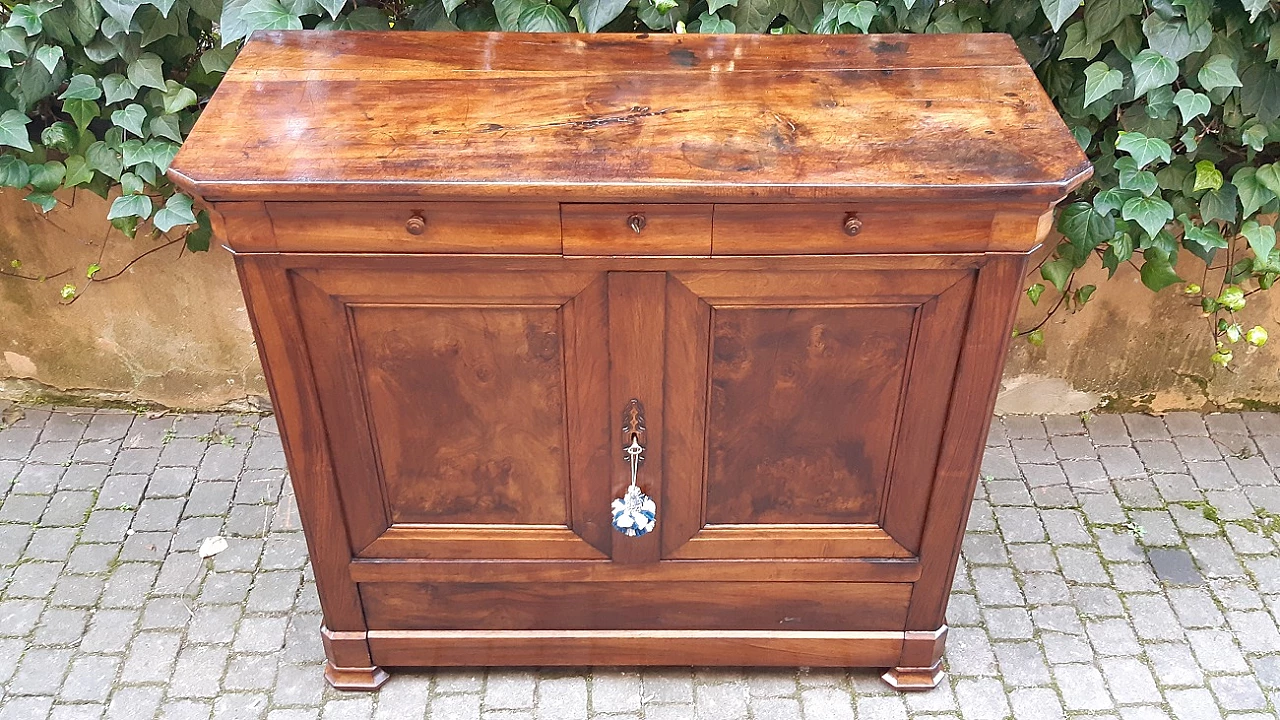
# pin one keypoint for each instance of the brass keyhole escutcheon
(416, 225)
(636, 222)
(852, 224)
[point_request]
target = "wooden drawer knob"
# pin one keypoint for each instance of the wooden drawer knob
(636, 222)
(416, 225)
(852, 224)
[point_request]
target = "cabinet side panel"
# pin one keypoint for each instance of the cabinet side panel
(282, 349)
(973, 397)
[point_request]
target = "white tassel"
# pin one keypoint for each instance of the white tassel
(635, 513)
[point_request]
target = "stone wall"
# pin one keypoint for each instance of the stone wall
(172, 331)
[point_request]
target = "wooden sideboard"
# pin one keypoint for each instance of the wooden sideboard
(490, 274)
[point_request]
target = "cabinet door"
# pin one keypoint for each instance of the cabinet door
(805, 408)
(465, 409)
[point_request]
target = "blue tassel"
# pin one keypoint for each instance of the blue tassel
(635, 513)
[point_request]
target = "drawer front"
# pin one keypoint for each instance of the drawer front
(846, 229)
(636, 606)
(501, 228)
(608, 229)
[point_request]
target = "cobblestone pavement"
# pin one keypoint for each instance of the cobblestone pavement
(1123, 567)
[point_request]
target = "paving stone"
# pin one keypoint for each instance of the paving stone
(1195, 608)
(1020, 524)
(37, 479)
(1021, 664)
(1177, 487)
(198, 673)
(302, 685)
(151, 657)
(1255, 630)
(1108, 430)
(41, 671)
(1130, 680)
(26, 708)
(90, 679)
(1073, 447)
(1238, 692)
(61, 626)
(171, 482)
(1007, 492)
(826, 704)
(109, 631)
(1145, 427)
(1036, 704)
(1215, 557)
(260, 634)
(1024, 426)
(999, 463)
(1079, 474)
(1112, 637)
(969, 652)
(1033, 450)
(1216, 651)
(1212, 475)
(461, 707)
(1082, 687)
(34, 579)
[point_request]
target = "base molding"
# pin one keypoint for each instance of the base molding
(355, 678)
(758, 648)
(914, 678)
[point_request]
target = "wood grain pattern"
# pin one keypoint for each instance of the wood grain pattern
(740, 648)
(457, 227)
(467, 406)
(754, 229)
(602, 605)
(603, 229)
(552, 570)
(849, 116)
(803, 409)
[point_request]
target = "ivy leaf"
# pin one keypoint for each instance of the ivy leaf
(1151, 213)
(1262, 239)
(241, 17)
(177, 97)
(78, 171)
(1255, 136)
(714, 5)
(176, 211)
(48, 176)
(121, 10)
(198, 238)
(81, 111)
(1157, 273)
(13, 40)
(1078, 44)
(81, 87)
(1269, 176)
(1058, 272)
(1034, 292)
(105, 159)
(1100, 80)
(1059, 11)
(1253, 194)
(1103, 16)
(131, 184)
(1255, 8)
(1208, 177)
(47, 202)
(543, 17)
(25, 17)
(1143, 149)
(1220, 204)
(130, 206)
(13, 130)
(1152, 70)
(13, 172)
(858, 14)
(147, 71)
(1173, 38)
(598, 13)
(218, 60)
(712, 24)
(1191, 104)
(754, 16)
(165, 126)
(1109, 200)
(1218, 72)
(117, 87)
(49, 56)
(1084, 227)
(130, 118)
(1260, 94)
(334, 7)
(1207, 238)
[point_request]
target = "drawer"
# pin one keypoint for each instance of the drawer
(750, 229)
(609, 229)
(456, 227)
(709, 605)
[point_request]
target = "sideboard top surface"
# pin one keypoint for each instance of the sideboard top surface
(311, 115)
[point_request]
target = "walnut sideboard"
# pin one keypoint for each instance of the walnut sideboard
(495, 278)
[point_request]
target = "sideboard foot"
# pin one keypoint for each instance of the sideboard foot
(355, 678)
(914, 678)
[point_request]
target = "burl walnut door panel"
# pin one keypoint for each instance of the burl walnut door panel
(813, 379)
(465, 409)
